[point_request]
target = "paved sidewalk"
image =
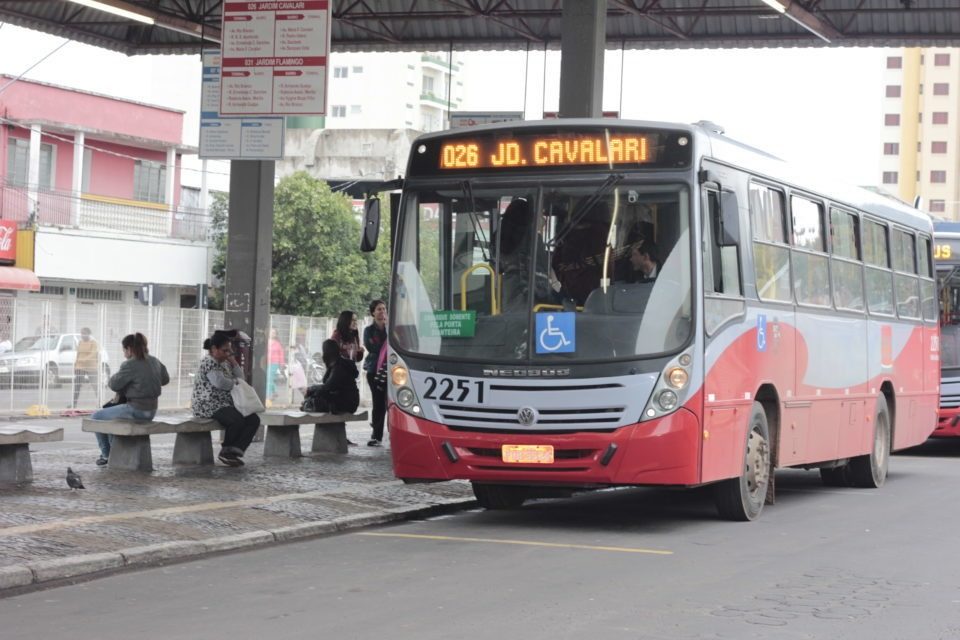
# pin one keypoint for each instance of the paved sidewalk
(48, 532)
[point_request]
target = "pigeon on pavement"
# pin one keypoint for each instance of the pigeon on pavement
(73, 480)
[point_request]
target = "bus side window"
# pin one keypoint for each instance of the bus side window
(723, 258)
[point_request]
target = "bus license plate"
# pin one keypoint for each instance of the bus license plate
(527, 453)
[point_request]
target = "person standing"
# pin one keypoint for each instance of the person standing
(138, 382)
(216, 377)
(347, 336)
(86, 367)
(275, 360)
(375, 342)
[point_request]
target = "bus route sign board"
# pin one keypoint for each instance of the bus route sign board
(449, 324)
(234, 138)
(275, 58)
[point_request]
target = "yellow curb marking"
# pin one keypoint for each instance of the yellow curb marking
(531, 543)
(166, 511)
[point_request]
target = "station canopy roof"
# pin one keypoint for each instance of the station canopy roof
(187, 26)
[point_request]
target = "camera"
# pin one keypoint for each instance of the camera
(633, 197)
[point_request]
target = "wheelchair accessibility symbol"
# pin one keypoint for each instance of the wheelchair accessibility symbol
(556, 332)
(761, 332)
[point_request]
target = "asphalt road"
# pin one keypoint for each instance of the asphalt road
(639, 563)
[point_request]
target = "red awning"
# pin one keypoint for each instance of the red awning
(14, 278)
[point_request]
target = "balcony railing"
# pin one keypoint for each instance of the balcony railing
(439, 62)
(99, 213)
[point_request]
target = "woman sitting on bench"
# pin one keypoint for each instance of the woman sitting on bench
(338, 393)
(137, 384)
(218, 374)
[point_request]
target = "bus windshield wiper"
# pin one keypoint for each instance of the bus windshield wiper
(467, 189)
(585, 207)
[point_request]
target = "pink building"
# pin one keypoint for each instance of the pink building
(98, 179)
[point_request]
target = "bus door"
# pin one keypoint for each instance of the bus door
(724, 311)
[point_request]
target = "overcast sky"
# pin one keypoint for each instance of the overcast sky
(819, 108)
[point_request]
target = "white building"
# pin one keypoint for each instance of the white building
(377, 104)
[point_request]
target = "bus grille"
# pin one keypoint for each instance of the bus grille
(501, 418)
(950, 392)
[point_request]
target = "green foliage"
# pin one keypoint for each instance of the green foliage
(218, 233)
(318, 269)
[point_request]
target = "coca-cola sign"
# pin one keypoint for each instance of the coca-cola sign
(8, 241)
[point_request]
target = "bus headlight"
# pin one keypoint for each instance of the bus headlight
(677, 377)
(672, 388)
(405, 397)
(400, 376)
(667, 400)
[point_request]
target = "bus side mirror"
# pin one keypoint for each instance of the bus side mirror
(728, 234)
(371, 225)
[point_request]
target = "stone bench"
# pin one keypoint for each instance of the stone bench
(130, 449)
(283, 432)
(15, 439)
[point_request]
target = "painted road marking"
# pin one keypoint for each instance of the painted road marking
(531, 543)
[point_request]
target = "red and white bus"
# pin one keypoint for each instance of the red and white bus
(603, 303)
(946, 254)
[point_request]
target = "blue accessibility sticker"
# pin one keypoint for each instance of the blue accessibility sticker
(556, 332)
(761, 332)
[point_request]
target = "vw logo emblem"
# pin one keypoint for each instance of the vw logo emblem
(527, 416)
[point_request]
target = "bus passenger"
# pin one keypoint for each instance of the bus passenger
(219, 372)
(347, 336)
(375, 341)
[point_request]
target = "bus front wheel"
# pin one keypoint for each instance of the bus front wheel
(498, 496)
(870, 470)
(742, 498)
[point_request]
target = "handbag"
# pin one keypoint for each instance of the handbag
(245, 399)
(119, 398)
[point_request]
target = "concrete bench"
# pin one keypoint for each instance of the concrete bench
(283, 432)
(130, 450)
(15, 439)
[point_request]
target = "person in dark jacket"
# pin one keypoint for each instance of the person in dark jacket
(338, 393)
(375, 341)
(138, 380)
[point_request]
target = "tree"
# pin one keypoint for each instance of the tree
(318, 269)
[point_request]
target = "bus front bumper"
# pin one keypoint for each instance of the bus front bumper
(659, 452)
(948, 423)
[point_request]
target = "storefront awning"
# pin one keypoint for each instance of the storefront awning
(14, 278)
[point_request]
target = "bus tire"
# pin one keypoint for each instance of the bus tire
(498, 496)
(742, 498)
(870, 471)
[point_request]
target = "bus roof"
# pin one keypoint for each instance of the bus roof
(714, 144)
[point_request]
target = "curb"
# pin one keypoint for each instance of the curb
(16, 579)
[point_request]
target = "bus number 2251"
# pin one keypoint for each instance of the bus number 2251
(450, 389)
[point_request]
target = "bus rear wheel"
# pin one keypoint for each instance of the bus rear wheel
(870, 471)
(742, 498)
(498, 496)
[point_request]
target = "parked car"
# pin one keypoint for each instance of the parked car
(52, 357)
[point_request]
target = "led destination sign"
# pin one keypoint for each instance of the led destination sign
(552, 149)
(544, 152)
(946, 250)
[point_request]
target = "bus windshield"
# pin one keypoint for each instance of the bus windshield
(948, 282)
(482, 270)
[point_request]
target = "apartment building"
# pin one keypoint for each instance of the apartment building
(94, 183)
(377, 104)
(921, 134)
